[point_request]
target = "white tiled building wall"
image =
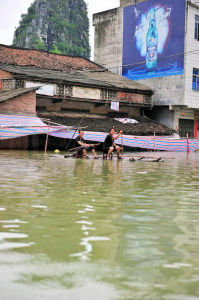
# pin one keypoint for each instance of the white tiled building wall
(191, 97)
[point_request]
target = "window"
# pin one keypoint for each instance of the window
(8, 84)
(148, 99)
(108, 95)
(60, 89)
(186, 126)
(196, 35)
(64, 90)
(19, 84)
(11, 84)
(195, 80)
(68, 90)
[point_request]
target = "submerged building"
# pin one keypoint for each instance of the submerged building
(70, 91)
(70, 83)
(156, 44)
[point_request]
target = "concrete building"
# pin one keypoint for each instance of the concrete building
(176, 97)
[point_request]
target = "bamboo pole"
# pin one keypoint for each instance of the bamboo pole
(65, 126)
(67, 146)
(188, 149)
(46, 144)
(154, 143)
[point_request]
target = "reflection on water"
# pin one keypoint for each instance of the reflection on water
(92, 229)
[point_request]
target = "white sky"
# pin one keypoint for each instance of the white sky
(11, 10)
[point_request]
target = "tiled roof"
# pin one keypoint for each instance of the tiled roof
(116, 80)
(102, 79)
(71, 77)
(42, 59)
(15, 93)
(91, 122)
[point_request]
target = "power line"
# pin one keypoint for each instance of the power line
(162, 58)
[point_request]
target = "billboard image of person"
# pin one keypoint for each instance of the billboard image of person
(153, 39)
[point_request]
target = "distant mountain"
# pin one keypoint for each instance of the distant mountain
(58, 26)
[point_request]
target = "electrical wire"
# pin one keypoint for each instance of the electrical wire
(143, 62)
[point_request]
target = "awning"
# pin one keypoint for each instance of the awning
(14, 126)
(148, 142)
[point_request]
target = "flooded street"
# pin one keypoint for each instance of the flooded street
(98, 230)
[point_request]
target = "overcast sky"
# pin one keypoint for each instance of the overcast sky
(11, 10)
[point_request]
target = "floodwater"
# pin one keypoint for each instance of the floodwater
(98, 230)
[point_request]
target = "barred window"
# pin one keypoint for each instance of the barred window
(8, 84)
(60, 89)
(68, 90)
(147, 99)
(64, 90)
(108, 94)
(19, 84)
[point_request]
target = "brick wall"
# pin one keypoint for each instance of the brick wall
(129, 97)
(4, 75)
(22, 104)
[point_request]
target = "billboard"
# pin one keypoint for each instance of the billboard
(153, 39)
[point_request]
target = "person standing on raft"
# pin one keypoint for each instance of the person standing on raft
(82, 147)
(109, 146)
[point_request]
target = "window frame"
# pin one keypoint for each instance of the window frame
(19, 84)
(196, 30)
(195, 80)
(8, 84)
(106, 94)
(67, 90)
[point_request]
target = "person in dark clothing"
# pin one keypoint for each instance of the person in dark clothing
(109, 146)
(82, 147)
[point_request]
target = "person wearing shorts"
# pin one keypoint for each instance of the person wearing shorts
(109, 146)
(82, 147)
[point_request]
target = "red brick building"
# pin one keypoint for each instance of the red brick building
(18, 101)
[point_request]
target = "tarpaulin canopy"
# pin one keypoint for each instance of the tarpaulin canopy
(14, 126)
(150, 142)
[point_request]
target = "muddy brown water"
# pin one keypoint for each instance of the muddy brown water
(92, 229)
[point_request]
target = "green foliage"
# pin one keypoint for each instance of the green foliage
(27, 18)
(39, 45)
(55, 50)
(64, 27)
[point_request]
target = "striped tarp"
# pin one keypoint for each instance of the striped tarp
(157, 143)
(14, 126)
